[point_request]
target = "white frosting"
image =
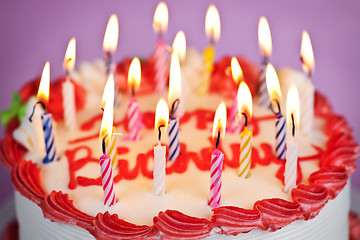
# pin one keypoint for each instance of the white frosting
(187, 192)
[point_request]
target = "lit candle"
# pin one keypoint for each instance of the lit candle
(245, 108)
(174, 101)
(179, 45)
(212, 30)
(308, 94)
(109, 45)
(273, 87)
(110, 41)
(265, 44)
(217, 157)
(237, 75)
(68, 90)
(105, 160)
(161, 121)
(46, 118)
(292, 119)
(134, 116)
(160, 24)
(110, 141)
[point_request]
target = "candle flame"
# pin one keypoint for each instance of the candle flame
(161, 115)
(292, 107)
(134, 76)
(44, 87)
(108, 95)
(236, 70)
(161, 16)
(179, 45)
(272, 83)
(107, 120)
(175, 78)
(111, 34)
(244, 100)
(264, 37)
(69, 60)
(212, 23)
(306, 53)
(219, 121)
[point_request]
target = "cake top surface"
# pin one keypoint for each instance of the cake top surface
(322, 156)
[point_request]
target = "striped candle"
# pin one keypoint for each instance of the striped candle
(207, 69)
(174, 146)
(245, 153)
(159, 170)
(217, 159)
(111, 148)
(161, 66)
(234, 127)
(134, 119)
(290, 173)
(107, 180)
(280, 130)
(263, 92)
(49, 138)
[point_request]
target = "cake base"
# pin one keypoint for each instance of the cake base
(331, 223)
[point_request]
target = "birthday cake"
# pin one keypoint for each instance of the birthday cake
(212, 175)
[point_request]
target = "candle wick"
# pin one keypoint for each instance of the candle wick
(104, 145)
(132, 91)
(33, 111)
(218, 139)
(293, 124)
(278, 107)
(265, 59)
(159, 129)
(246, 119)
(175, 106)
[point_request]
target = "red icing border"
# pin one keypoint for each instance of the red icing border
(337, 162)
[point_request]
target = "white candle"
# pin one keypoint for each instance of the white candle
(159, 170)
(68, 92)
(292, 117)
(68, 89)
(161, 123)
(307, 100)
(291, 165)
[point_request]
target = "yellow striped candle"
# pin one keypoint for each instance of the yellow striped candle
(212, 30)
(245, 108)
(207, 68)
(111, 148)
(245, 153)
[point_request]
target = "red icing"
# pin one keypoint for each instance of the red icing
(310, 198)
(178, 225)
(336, 164)
(354, 223)
(53, 107)
(108, 226)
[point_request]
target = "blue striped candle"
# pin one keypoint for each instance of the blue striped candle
(49, 138)
(280, 136)
(174, 146)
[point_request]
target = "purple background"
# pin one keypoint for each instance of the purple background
(39, 30)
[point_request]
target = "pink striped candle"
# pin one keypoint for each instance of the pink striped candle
(107, 180)
(134, 116)
(217, 159)
(161, 66)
